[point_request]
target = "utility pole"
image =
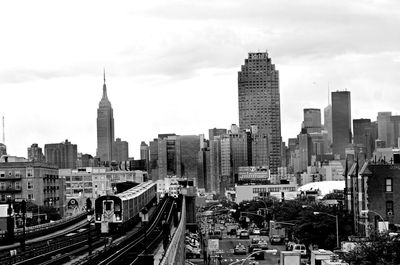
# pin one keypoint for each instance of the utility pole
(23, 211)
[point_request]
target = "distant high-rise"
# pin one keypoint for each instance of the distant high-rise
(341, 122)
(153, 160)
(259, 102)
(120, 150)
(328, 122)
(63, 155)
(188, 147)
(215, 132)
(395, 129)
(384, 130)
(105, 127)
(145, 154)
(312, 120)
(144, 151)
(35, 153)
(363, 135)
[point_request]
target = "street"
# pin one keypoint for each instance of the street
(226, 251)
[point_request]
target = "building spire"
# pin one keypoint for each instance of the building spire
(104, 85)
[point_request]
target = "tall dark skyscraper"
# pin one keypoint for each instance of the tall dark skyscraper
(105, 127)
(259, 102)
(341, 122)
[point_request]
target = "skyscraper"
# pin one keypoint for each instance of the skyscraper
(105, 127)
(341, 122)
(144, 151)
(259, 102)
(120, 150)
(312, 120)
(363, 135)
(328, 121)
(384, 132)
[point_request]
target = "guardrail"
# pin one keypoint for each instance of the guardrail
(175, 253)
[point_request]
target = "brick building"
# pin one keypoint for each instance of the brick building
(373, 195)
(32, 181)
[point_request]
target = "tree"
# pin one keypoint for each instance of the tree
(379, 249)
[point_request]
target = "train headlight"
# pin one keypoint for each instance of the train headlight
(98, 217)
(118, 217)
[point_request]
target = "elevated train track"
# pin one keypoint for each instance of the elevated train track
(124, 217)
(128, 250)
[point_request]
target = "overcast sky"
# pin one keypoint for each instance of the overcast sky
(171, 66)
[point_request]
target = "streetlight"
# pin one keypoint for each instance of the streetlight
(273, 252)
(337, 225)
(383, 220)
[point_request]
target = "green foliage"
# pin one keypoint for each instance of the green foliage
(379, 249)
(308, 228)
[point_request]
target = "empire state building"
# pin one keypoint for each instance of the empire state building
(105, 127)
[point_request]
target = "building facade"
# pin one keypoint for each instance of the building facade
(215, 132)
(364, 135)
(32, 181)
(312, 120)
(328, 121)
(259, 102)
(260, 192)
(120, 150)
(35, 153)
(105, 127)
(341, 122)
(372, 195)
(92, 182)
(63, 155)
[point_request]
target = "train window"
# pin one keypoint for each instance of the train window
(117, 208)
(108, 205)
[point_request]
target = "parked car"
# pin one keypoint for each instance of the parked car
(255, 240)
(244, 235)
(263, 245)
(277, 239)
(259, 255)
(192, 252)
(240, 249)
(301, 248)
(256, 232)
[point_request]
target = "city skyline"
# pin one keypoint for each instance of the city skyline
(173, 68)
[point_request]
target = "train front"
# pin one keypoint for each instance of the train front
(108, 214)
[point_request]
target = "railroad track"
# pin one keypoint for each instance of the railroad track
(129, 250)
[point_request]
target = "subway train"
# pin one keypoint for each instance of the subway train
(116, 213)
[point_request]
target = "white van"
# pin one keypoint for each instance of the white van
(300, 248)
